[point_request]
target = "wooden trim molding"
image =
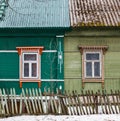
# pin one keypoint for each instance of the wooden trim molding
(103, 48)
(21, 50)
(28, 80)
(84, 49)
(34, 48)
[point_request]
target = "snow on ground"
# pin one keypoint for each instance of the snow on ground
(101, 117)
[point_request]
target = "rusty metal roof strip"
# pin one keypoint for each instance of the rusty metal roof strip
(94, 12)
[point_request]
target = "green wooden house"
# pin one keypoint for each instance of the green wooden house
(31, 43)
(92, 48)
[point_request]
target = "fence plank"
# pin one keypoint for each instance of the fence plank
(63, 104)
(88, 102)
(42, 105)
(12, 103)
(25, 100)
(91, 99)
(16, 108)
(2, 104)
(9, 101)
(118, 99)
(101, 101)
(80, 104)
(33, 105)
(38, 101)
(20, 110)
(76, 103)
(109, 104)
(105, 102)
(6, 103)
(35, 101)
(68, 103)
(85, 103)
(51, 104)
(55, 104)
(29, 101)
(114, 102)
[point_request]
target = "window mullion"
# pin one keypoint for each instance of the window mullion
(23, 64)
(93, 69)
(30, 70)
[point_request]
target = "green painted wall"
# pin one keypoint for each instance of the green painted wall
(9, 65)
(50, 66)
(72, 57)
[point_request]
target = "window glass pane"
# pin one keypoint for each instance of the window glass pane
(89, 69)
(26, 69)
(30, 57)
(34, 69)
(97, 69)
(92, 56)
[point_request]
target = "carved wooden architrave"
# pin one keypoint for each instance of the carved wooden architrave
(93, 48)
(20, 50)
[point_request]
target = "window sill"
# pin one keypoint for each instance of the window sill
(30, 80)
(97, 80)
(93, 80)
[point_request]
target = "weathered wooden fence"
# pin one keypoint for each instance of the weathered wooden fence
(32, 101)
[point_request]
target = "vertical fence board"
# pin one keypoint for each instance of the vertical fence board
(33, 105)
(42, 104)
(114, 102)
(29, 101)
(6, 104)
(12, 103)
(105, 103)
(2, 103)
(118, 99)
(38, 102)
(80, 104)
(84, 99)
(20, 109)
(35, 101)
(25, 100)
(16, 108)
(76, 103)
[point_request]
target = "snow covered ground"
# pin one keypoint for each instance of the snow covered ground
(101, 117)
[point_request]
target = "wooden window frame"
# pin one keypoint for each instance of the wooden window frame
(29, 50)
(93, 49)
(92, 61)
(30, 62)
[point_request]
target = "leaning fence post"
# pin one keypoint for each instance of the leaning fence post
(15, 101)
(21, 102)
(25, 100)
(2, 104)
(0, 109)
(96, 102)
(6, 103)
(33, 105)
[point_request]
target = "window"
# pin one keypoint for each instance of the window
(30, 64)
(93, 63)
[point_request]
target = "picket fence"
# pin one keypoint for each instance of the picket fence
(33, 102)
